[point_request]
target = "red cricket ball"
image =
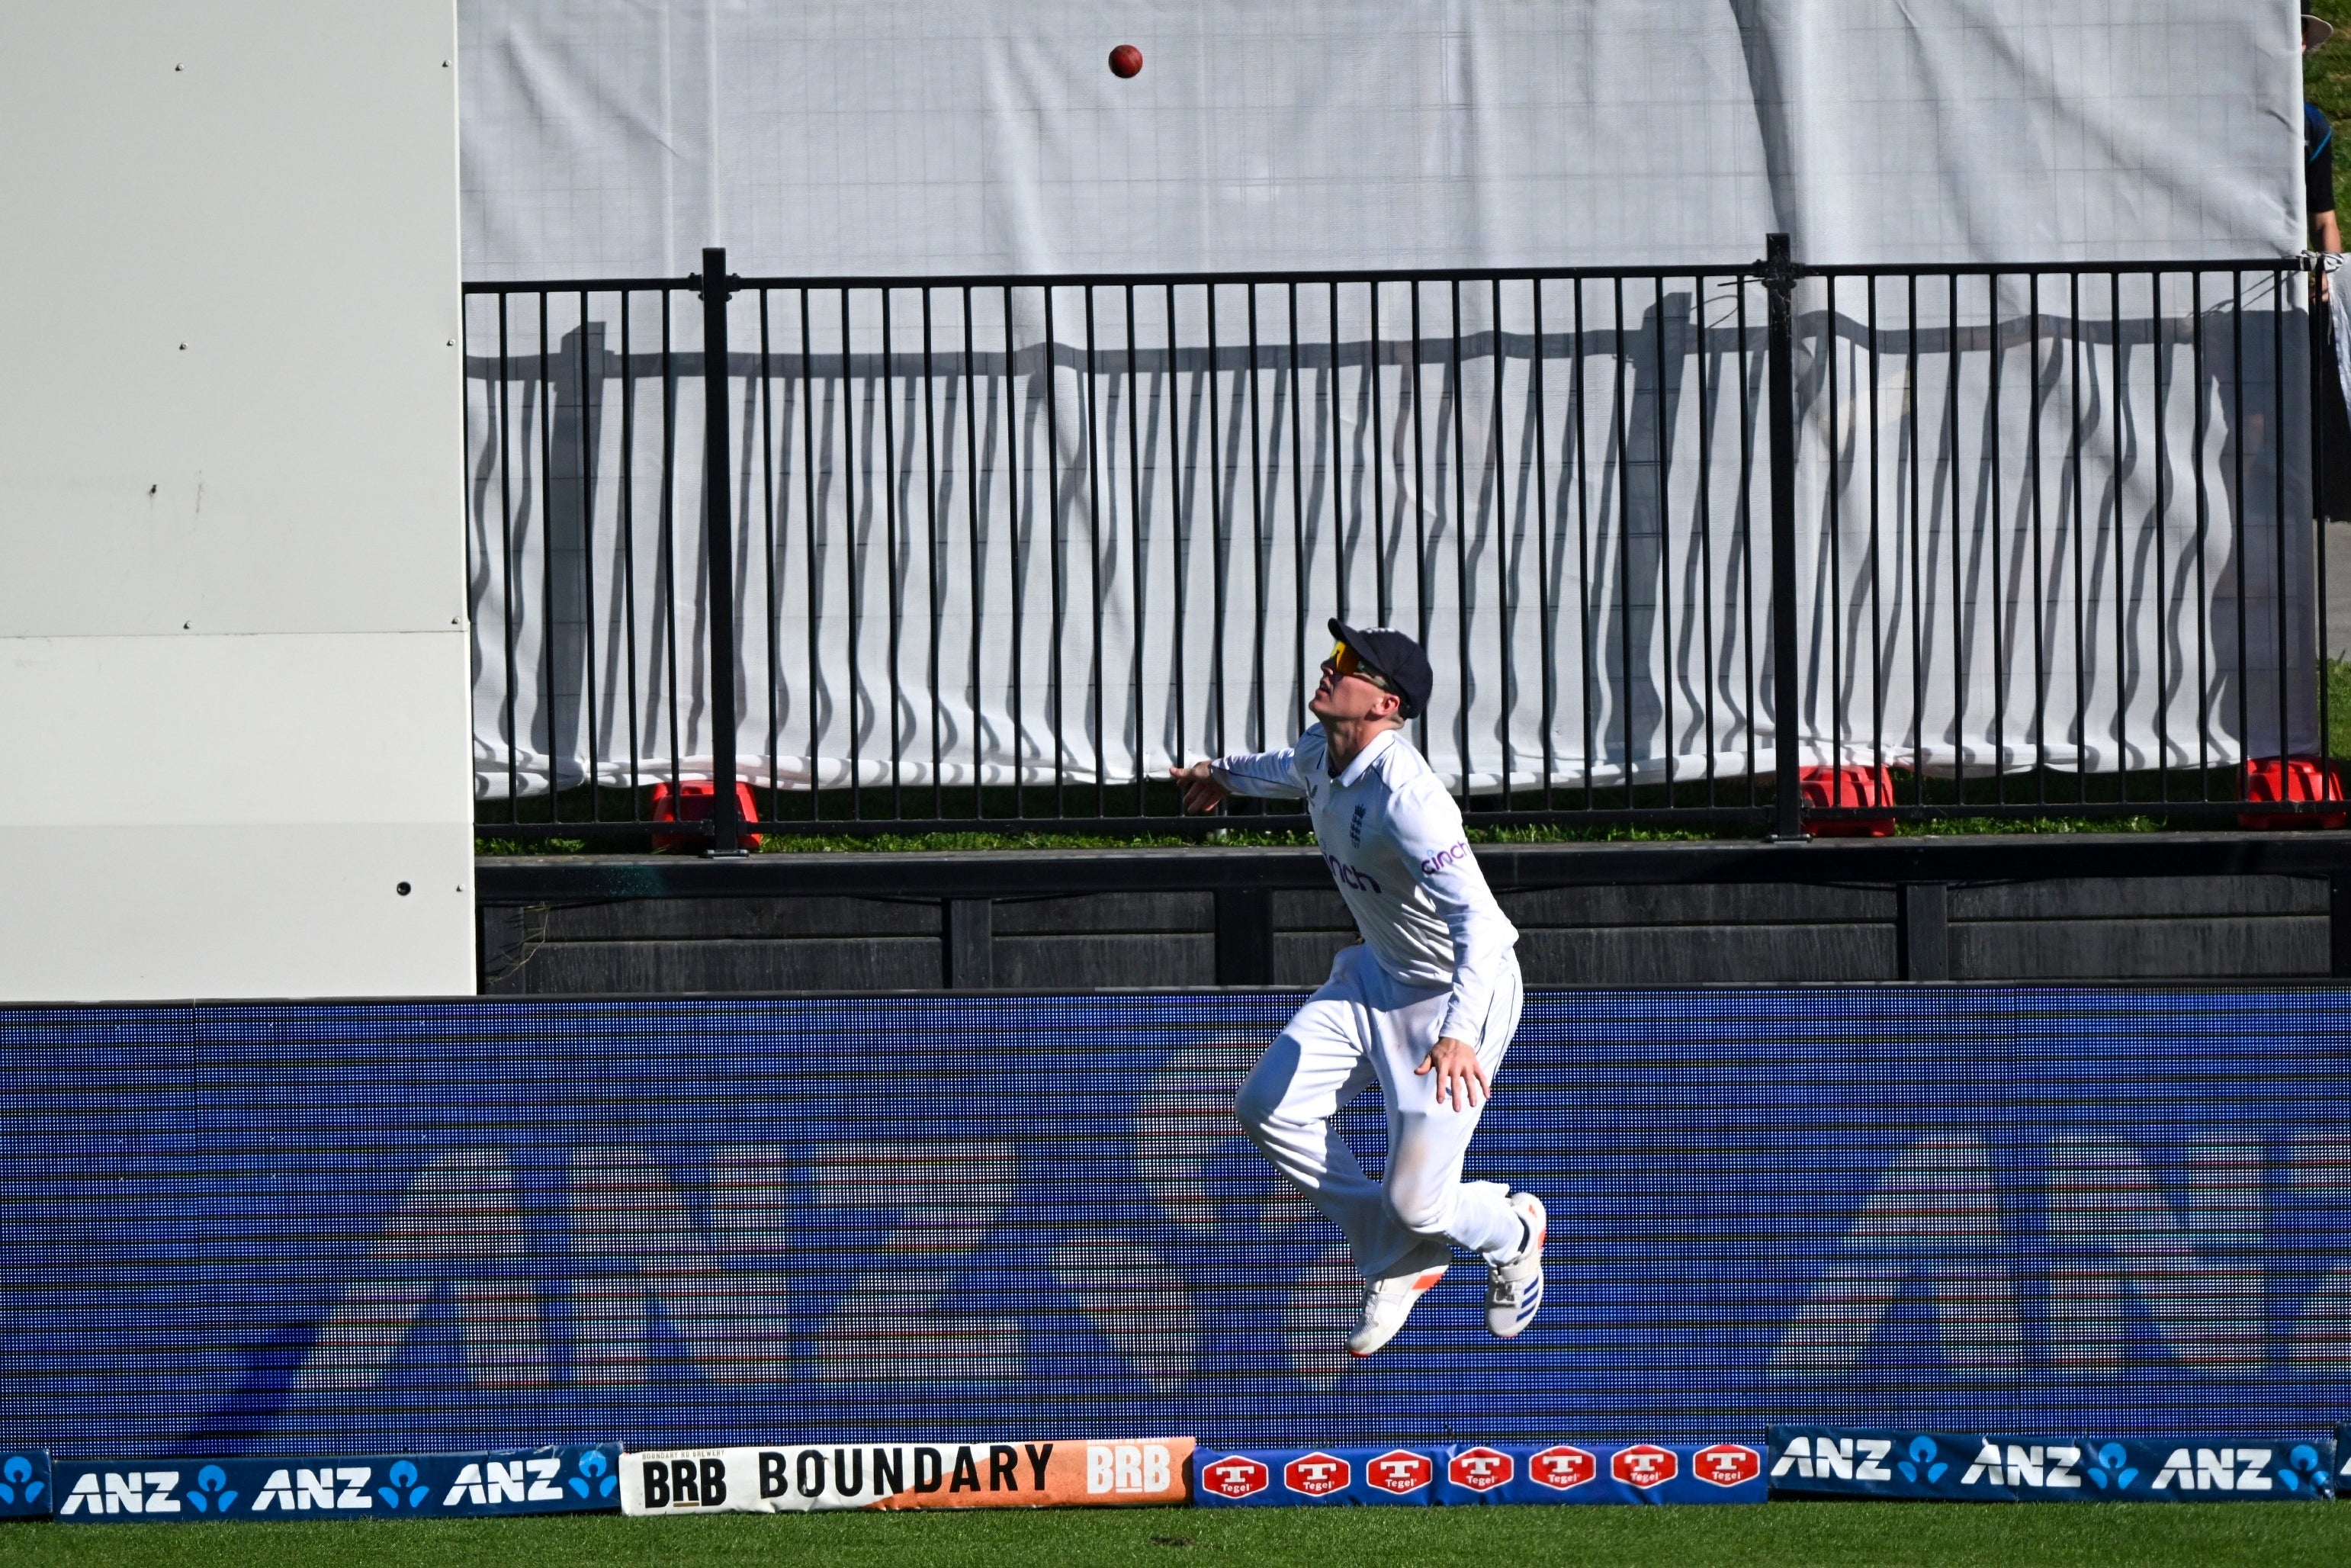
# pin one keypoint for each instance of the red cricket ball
(1125, 60)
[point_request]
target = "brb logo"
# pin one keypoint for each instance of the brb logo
(1400, 1472)
(1316, 1475)
(1479, 1469)
(1726, 1465)
(1644, 1464)
(1562, 1469)
(1238, 1476)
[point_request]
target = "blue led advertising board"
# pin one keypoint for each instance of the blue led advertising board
(407, 1227)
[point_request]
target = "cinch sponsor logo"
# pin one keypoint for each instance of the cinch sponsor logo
(1562, 1469)
(1644, 1464)
(1727, 1464)
(1316, 1475)
(1400, 1471)
(1238, 1476)
(1839, 1459)
(492, 1482)
(1443, 858)
(124, 1491)
(1479, 1469)
(1346, 875)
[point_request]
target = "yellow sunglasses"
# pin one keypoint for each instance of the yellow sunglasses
(1345, 661)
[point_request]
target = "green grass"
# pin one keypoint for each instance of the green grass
(2011, 1535)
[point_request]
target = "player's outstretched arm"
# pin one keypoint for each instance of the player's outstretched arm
(1203, 790)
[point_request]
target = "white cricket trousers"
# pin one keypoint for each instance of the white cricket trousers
(1362, 1027)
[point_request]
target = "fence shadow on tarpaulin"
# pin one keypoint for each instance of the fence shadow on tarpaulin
(954, 567)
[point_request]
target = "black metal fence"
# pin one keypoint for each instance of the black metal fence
(2013, 541)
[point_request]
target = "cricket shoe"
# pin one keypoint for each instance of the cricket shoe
(1386, 1303)
(1514, 1290)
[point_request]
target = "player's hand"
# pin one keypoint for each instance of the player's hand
(1202, 792)
(1458, 1073)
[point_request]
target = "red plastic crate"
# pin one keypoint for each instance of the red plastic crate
(693, 803)
(2290, 778)
(1829, 788)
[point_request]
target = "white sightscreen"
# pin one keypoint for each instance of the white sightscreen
(2067, 528)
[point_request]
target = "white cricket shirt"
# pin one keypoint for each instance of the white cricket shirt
(1393, 840)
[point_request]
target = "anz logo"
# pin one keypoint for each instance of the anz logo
(491, 1482)
(123, 1492)
(17, 1481)
(2183, 1251)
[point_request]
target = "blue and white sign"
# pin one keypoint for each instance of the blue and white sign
(1468, 1473)
(25, 1483)
(569, 1479)
(484, 1224)
(1953, 1466)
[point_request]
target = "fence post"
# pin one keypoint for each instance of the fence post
(1780, 406)
(718, 542)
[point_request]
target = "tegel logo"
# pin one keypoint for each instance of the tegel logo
(1316, 1474)
(1644, 1464)
(1237, 1476)
(1727, 1464)
(1562, 1469)
(1400, 1471)
(1479, 1468)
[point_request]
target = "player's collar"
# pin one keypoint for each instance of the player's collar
(1366, 758)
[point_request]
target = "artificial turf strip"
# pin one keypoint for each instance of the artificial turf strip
(2012, 1535)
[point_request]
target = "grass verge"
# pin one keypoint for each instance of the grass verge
(2023, 1535)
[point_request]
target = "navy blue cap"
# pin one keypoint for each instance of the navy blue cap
(1396, 658)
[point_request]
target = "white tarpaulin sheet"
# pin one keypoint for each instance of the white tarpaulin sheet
(2066, 525)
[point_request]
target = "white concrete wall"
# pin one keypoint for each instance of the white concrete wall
(232, 663)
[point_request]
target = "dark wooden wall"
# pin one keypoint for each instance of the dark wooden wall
(2215, 907)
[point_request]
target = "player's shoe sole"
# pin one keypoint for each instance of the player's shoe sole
(1386, 1304)
(1514, 1290)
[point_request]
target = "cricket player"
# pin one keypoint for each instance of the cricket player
(1424, 1005)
